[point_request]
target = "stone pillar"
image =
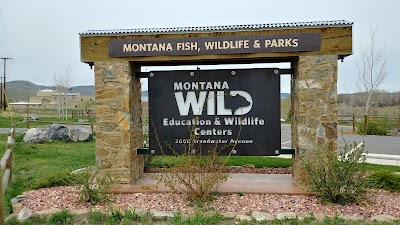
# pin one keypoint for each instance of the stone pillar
(314, 108)
(118, 120)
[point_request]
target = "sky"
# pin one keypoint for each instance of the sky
(42, 36)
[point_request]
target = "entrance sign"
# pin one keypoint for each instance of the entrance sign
(300, 42)
(221, 107)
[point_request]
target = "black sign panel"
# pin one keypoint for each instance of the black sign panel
(215, 45)
(221, 107)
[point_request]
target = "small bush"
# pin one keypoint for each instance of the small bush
(386, 180)
(375, 127)
(197, 173)
(115, 217)
(338, 178)
(95, 187)
(97, 217)
(62, 217)
(130, 215)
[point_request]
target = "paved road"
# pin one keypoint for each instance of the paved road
(6, 130)
(373, 144)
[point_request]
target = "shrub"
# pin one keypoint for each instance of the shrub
(198, 173)
(62, 217)
(375, 127)
(338, 178)
(95, 187)
(97, 217)
(386, 180)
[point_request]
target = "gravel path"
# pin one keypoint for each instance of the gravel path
(376, 202)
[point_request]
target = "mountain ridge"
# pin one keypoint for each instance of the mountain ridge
(21, 90)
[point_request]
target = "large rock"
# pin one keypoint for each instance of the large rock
(383, 218)
(243, 217)
(262, 216)
(47, 212)
(286, 215)
(35, 135)
(80, 134)
(24, 214)
(58, 132)
(160, 216)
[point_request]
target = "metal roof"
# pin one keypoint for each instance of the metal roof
(267, 26)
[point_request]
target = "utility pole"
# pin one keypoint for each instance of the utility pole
(1, 92)
(4, 84)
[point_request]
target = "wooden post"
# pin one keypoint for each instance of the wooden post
(1, 197)
(91, 127)
(27, 116)
(366, 123)
(354, 123)
(10, 161)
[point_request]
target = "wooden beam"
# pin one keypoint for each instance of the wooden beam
(334, 41)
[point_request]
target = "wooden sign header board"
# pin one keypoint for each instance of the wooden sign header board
(218, 107)
(300, 42)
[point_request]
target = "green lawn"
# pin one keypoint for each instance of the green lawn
(44, 121)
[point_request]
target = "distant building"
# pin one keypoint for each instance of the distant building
(49, 99)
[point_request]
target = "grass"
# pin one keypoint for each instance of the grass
(257, 161)
(34, 163)
(260, 162)
(44, 121)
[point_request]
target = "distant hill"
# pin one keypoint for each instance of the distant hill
(284, 95)
(145, 95)
(380, 99)
(21, 90)
(84, 90)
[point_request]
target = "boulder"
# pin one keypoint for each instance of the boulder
(80, 134)
(243, 217)
(160, 216)
(262, 216)
(58, 132)
(24, 214)
(35, 135)
(47, 212)
(286, 215)
(383, 218)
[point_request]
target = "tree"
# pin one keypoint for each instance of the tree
(63, 80)
(371, 70)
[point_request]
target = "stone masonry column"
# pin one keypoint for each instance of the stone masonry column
(314, 108)
(118, 120)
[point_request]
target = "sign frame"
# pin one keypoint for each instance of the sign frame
(257, 129)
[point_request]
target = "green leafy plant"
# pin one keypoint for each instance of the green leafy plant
(62, 217)
(338, 178)
(386, 180)
(375, 127)
(95, 187)
(97, 217)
